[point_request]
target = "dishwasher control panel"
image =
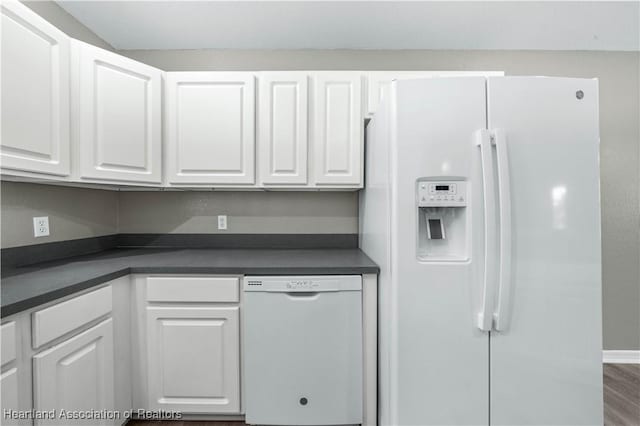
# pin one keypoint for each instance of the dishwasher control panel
(302, 283)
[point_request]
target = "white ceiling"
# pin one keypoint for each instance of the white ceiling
(552, 25)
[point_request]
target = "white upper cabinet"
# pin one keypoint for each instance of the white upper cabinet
(35, 93)
(378, 82)
(282, 128)
(117, 113)
(338, 127)
(210, 128)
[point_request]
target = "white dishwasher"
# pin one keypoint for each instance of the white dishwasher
(303, 350)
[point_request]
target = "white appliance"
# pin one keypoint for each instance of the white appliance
(482, 210)
(303, 350)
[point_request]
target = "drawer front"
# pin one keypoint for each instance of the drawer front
(9, 344)
(193, 289)
(57, 320)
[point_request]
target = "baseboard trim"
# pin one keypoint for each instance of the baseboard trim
(621, 357)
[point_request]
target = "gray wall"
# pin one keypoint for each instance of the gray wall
(73, 212)
(248, 212)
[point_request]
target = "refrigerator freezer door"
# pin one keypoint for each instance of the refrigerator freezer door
(439, 359)
(546, 365)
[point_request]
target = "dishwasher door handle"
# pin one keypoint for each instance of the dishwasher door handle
(302, 294)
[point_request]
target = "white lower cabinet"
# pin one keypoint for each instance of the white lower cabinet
(193, 358)
(9, 389)
(15, 376)
(76, 375)
(9, 386)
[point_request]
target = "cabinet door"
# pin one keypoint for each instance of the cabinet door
(9, 376)
(193, 359)
(282, 130)
(15, 378)
(378, 82)
(35, 93)
(117, 114)
(9, 391)
(76, 374)
(210, 128)
(338, 129)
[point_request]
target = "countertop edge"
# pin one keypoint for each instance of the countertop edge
(40, 299)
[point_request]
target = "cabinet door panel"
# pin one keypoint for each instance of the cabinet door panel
(379, 82)
(9, 348)
(193, 359)
(9, 389)
(338, 129)
(282, 134)
(210, 128)
(118, 104)
(76, 374)
(35, 93)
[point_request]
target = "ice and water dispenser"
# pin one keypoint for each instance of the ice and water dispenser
(442, 219)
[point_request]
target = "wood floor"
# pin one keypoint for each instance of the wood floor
(621, 400)
(621, 394)
(181, 423)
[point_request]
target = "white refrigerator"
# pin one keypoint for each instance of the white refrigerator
(482, 209)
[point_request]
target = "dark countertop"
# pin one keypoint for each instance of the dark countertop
(27, 287)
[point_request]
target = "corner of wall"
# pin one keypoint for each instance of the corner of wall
(65, 22)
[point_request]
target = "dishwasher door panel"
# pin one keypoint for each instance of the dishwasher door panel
(303, 357)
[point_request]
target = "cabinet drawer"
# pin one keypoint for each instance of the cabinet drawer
(8, 339)
(57, 320)
(193, 289)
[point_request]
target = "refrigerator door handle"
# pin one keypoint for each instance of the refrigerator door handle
(501, 315)
(485, 316)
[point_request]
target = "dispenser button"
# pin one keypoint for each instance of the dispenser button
(461, 198)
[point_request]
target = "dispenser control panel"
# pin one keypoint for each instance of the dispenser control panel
(442, 194)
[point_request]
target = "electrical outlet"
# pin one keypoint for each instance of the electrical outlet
(222, 222)
(40, 226)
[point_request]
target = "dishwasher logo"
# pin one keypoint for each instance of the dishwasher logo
(250, 282)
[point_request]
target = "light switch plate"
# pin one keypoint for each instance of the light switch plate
(41, 226)
(222, 222)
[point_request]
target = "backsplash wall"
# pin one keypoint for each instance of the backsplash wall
(81, 213)
(73, 212)
(247, 212)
